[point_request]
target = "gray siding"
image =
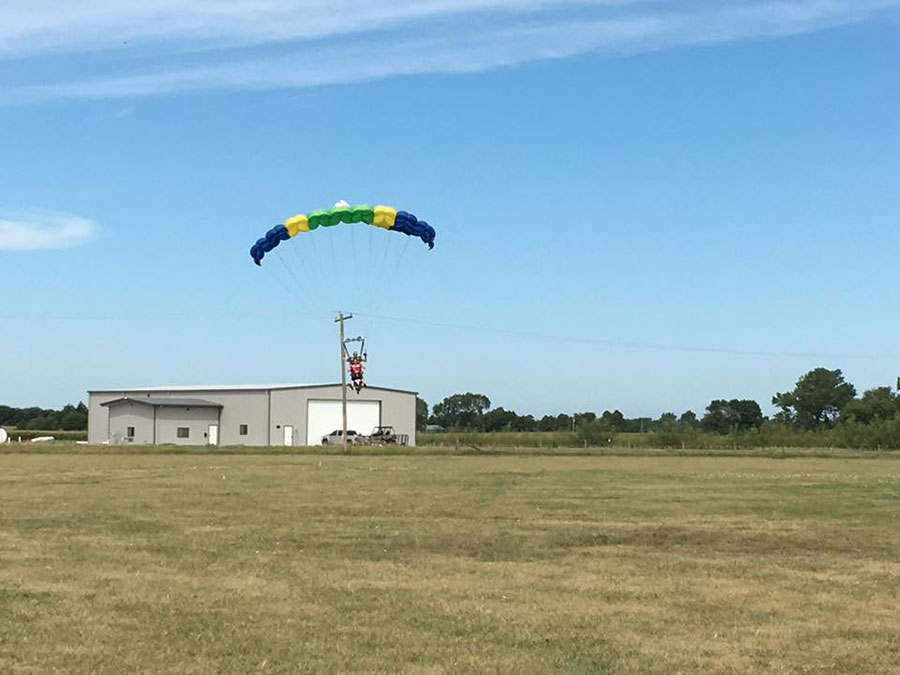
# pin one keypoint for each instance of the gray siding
(98, 417)
(131, 415)
(196, 420)
(265, 412)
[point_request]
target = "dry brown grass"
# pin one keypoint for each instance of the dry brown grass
(406, 564)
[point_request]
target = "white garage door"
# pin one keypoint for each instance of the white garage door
(323, 417)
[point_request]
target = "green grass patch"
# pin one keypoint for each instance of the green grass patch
(447, 563)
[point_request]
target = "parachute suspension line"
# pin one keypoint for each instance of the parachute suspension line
(394, 272)
(298, 286)
(290, 290)
(412, 266)
(384, 257)
(372, 283)
(331, 244)
(381, 267)
(359, 282)
(319, 271)
(402, 255)
(353, 246)
(310, 274)
(362, 346)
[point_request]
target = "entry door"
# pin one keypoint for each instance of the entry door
(289, 435)
(212, 435)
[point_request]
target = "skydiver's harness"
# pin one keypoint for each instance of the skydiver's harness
(356, 364)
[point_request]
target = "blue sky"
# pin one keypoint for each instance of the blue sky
(639, 204)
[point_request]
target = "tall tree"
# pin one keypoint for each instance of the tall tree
(524, 423)
(499, 419)
(719, 417)
(735, 415)
(421, 414)
(817, 398)
(547, 423)
(689, 418)
(749, 414)
(462, 411)
(876, 404)
(614, 420)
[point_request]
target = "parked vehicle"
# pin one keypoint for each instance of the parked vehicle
(386, 436)
(334, 438)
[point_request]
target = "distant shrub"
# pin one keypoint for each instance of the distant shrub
(595, 434)
(879, 434)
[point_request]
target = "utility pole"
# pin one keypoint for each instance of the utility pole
(341, 318)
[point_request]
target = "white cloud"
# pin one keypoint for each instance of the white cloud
(32, 26)
(44, 231)
(380, 38)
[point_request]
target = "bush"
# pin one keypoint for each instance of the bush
(595, 434)
(879, 434)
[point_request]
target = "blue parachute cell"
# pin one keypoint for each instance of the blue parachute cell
(411, 226)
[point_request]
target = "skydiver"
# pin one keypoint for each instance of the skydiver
(356, 371)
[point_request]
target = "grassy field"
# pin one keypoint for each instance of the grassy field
(153, 563)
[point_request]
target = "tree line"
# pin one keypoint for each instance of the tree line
(822, 403)
(69, 418)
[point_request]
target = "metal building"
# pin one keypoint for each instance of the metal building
(287, 414)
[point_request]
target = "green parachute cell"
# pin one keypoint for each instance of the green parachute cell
(320, 217)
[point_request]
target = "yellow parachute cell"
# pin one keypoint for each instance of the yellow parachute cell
(384, 217)
(297, 224)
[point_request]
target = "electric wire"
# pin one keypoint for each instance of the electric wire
(631, 344)
(615, 344)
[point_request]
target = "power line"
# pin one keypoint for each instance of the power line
(628, 344)
(571, 339)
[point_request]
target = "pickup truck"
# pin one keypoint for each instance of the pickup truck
(334, 438)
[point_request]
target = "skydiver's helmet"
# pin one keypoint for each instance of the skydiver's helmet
(355, 355)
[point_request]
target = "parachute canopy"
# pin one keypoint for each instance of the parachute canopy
(385, 217)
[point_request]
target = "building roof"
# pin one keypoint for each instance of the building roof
(235, 387)
(169, 402)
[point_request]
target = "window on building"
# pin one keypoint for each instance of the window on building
(184, 432)
(243, 430)
(129, 432)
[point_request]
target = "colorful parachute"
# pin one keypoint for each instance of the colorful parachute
(385, 217)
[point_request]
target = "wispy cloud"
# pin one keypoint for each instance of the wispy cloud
(44, 231)
(239, 44)
(34, 26)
